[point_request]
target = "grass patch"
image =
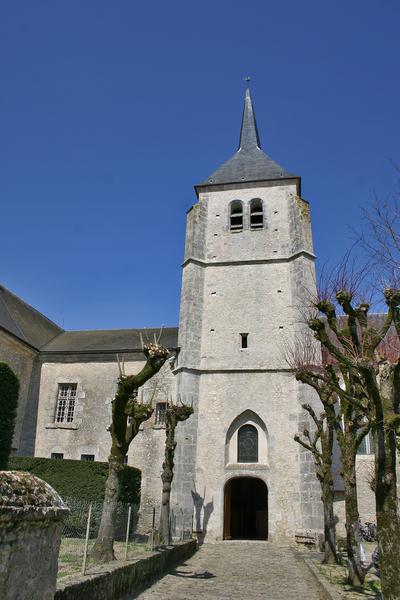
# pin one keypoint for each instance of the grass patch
(71, 555)
(336, 576)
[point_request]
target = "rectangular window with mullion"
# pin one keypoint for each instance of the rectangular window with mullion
(161, 408)
(65, 407)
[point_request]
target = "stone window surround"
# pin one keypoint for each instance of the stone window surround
(52, 403)
(236, 212)
(160, 413)
(248, 417)
(88, 457)
(57, 455)
(245, 215)
(57, 450)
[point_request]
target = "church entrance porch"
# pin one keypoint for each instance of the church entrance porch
(245, 509)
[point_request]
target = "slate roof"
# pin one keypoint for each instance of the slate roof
(30, 326)
(249, 163)
(24, 321)
(109, 340)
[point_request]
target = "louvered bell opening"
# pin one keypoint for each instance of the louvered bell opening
(236, 219)
(256, 215)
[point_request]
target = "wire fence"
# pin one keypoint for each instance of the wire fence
(135, 533)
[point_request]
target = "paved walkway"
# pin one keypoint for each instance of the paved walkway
(238, 571)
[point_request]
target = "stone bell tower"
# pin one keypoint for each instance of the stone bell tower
(248, 268)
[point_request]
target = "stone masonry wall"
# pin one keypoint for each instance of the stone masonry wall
(20, 358)
(116, 581)
(252, 282)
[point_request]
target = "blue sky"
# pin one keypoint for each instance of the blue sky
(110, 112)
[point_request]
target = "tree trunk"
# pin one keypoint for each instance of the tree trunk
(173, 415)
(127, 416)
(103, 549)
(326, 480)
(355, 574)
(167, 477)
(385, 393)
(330, 553)
(165, 525)
(387, 512)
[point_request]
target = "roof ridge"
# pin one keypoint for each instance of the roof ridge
(3, 287)
(120, 329)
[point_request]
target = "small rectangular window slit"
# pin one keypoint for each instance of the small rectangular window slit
(244, 340)
(87, 457)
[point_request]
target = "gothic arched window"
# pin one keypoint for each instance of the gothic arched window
(256, 214)
(248, 444)
(236, 216)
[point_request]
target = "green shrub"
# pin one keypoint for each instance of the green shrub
(9, 390)
(79, 478)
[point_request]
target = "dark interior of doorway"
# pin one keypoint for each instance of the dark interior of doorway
(246, 509)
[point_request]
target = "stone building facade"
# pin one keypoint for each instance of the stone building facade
(23, 331)
(248, 270)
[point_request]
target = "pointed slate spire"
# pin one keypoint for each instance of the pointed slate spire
(249, 163)
(249, 137)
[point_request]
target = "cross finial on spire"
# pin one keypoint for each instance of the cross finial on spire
(247, 79)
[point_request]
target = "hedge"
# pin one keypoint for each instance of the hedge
(79, 478)
(9, 390)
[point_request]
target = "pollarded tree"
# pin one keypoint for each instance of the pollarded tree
(174, 414)
(9, 390)
(127, 416)
(351, 427)
(356, 344)
(304, 357)
(344, 403)
(320, 444)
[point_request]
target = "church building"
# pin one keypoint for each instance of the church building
(248, 270)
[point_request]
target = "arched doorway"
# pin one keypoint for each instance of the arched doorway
(245, 509)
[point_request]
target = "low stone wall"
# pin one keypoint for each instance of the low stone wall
(116, 581)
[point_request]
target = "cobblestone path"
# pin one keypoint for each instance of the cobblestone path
(238, 571)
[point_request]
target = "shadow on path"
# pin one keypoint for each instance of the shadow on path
(193, 574)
